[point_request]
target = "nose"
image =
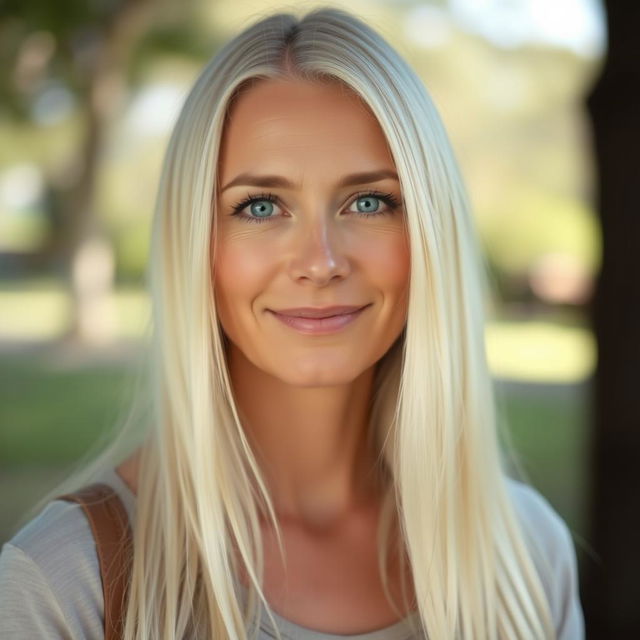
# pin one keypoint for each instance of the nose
(319, 255)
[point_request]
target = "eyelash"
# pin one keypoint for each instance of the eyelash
(388, 198)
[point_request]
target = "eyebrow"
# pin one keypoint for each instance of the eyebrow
(248, 179)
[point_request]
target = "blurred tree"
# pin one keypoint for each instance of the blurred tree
(90, 50)
(612, 597)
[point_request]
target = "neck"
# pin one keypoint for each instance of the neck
(311, 443)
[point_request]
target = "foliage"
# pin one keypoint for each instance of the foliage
(44, 44)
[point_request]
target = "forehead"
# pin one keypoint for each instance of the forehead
(293, 124)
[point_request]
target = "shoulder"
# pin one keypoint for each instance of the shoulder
(551, 546)
(539, 519)
(50, 584)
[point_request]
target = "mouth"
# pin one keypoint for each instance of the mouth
(318, 312)
(323, 321)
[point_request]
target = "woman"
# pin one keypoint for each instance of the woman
(323, 430)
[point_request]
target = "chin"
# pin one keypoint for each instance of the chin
(313, 374)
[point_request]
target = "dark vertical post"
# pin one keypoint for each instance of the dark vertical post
(611, 584)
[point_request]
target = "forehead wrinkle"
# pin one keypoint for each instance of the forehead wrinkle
(292, 126)
(280, 136)
(301, 140)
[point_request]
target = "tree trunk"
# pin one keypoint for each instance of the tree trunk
(87, 255)
(611, 594)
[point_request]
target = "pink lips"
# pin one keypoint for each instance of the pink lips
(318, 321)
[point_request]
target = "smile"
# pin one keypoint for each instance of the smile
(319, 326)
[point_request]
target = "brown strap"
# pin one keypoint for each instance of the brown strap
(114, 543)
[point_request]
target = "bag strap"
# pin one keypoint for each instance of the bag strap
(114, 543)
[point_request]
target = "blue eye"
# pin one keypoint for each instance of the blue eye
(368, 204)
(261, 207)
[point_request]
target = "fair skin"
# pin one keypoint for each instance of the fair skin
(304, 400)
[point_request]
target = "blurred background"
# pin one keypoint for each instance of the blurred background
(89, 93)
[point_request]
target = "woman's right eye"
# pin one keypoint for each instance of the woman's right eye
(256, 208)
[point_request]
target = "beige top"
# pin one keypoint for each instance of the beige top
(50, 584)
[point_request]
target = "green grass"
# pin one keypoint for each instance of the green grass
(549, 427)
(51, 415)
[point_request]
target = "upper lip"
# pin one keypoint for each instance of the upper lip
(315, 312)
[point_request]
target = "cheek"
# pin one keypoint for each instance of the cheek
(400, 265)
(240, 274)
(389, 263)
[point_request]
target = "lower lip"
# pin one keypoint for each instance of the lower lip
(319, 326)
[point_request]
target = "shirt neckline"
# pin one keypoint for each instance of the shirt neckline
(399, 630)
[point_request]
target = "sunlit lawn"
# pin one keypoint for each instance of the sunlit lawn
(51, 412)
(39, 309)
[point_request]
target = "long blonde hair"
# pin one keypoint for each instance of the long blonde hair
(433, 420)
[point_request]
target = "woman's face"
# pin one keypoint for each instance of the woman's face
(308, 215)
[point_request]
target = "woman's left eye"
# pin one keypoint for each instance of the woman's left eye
(369, 204)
